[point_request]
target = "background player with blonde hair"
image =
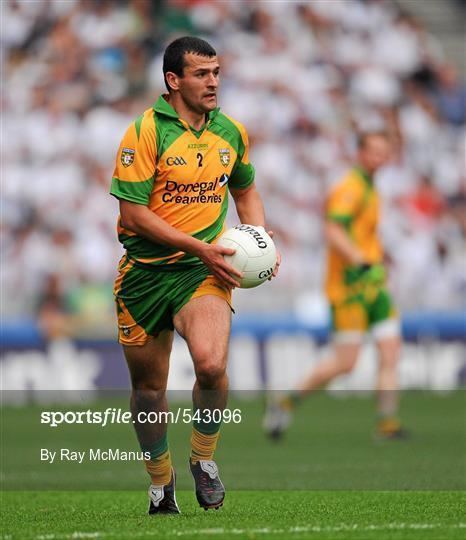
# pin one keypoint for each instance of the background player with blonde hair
(356, 291)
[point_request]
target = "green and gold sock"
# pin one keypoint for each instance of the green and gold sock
(388, 424)
(204, 437)
(290, 401)
(159, 466)
(203, 445)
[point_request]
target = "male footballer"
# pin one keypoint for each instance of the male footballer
(356, 291)
(175, 167)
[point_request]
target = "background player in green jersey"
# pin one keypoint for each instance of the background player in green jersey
(173, 275)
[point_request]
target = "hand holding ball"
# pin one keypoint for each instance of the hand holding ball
(255, 253)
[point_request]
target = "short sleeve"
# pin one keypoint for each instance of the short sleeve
(343, 202)
(243, 172)
(133, 177)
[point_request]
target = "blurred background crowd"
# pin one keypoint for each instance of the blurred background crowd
(302, 76)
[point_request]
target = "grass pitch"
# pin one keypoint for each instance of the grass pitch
(326, 479)
(291, 515)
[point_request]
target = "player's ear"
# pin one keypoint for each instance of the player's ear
(173, 80)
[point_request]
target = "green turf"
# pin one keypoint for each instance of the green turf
(329, 446)
(326, 479)
(251, 514)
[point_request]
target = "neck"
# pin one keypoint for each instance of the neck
(193, 118)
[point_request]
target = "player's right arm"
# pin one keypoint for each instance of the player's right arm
(342, 207)
(132, 184)
(140, 220)
(338, 238)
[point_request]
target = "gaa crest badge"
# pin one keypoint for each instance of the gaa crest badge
(224, 154)
(127, 157)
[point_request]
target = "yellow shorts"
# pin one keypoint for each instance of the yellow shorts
(358, 314)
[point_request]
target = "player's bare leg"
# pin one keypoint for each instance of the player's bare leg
(388, 388)
(387, 380)
(278, 415)
(204, 323)
(343, 361)
(148, 366)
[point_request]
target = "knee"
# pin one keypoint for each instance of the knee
(209, 360)
(210, 373)
(145, 396)
(346, 366)
(389, 352)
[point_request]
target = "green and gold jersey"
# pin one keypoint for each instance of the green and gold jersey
(354, 204)
(182, 175)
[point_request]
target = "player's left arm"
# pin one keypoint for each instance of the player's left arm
(247, 200)
(250, 209)
(249, 205)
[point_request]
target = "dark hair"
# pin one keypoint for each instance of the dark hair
(363, 136)
(173, 58)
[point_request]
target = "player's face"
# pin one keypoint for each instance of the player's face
(374, 154)
(199, 84)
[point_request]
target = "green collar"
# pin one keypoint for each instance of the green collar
(364, 175)
(162, 106)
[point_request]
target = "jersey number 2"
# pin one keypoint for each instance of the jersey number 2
(200, 157)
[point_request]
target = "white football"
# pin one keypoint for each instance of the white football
(255, 253)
